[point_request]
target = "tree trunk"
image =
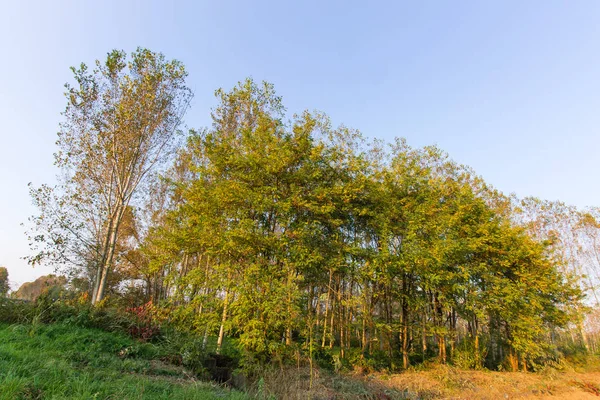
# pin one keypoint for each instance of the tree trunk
(405, 360)
(442, 348)
(341, 315)
(105, 267)
(205, 338)
(223, 320)
(584, 337)
(327, 301)
(513, 360)
(477, 353)
(424, 334)
(107, 259)
(288, 329)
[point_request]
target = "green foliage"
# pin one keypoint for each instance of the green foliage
(60, 306)
(324, 358)
(4, 287)
(467, 356)
(15, 311)
(298, 241)
(276, 225)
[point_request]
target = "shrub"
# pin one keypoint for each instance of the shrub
(14, 311)
(142, 322)
(323, 358)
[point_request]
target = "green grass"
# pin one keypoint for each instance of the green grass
(66, 362)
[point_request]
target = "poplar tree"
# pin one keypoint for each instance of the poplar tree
(120, 125)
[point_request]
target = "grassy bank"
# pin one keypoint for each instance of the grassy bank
(66, 362)
(59, 361)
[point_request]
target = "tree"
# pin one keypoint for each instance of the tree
(4, 287)
(32, 290)
(291, 234)
(120, 126)
(287, 234)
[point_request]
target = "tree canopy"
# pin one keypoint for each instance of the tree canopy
(296, 237)
(293, 233)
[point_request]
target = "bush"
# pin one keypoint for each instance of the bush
(14, 311)
(60, 306)
(323, 358)
(142, 322)
(465, 355)
(376, 361)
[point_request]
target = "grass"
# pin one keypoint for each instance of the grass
(66, 362)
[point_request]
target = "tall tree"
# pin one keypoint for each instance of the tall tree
(120, 125)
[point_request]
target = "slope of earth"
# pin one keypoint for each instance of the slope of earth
(66, 362)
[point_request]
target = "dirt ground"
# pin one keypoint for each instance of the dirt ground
(437, 382)
(449, 383)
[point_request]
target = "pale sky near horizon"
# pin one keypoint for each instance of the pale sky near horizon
(510, 88)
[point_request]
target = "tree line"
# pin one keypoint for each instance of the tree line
(297, 238)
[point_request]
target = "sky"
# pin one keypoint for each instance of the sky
(510, 88)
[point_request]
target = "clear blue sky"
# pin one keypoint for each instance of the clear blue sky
(511, 88)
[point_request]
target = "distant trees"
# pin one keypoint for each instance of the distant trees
(572, 237)
(120, 125)
(32, 290)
